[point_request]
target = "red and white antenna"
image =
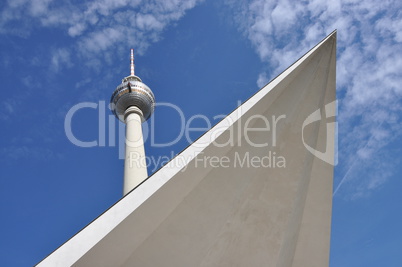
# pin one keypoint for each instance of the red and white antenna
(132, 62)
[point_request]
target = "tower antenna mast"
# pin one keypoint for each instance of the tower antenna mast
(132, 63)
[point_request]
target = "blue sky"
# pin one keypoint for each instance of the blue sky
(204, 57)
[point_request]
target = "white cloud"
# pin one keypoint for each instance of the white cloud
(76, 29)
(7, 109)
(262, 80)
(284, 15)
(39, 7)
(60, 57)
(96, 26)
(373, 178)
(369, 77)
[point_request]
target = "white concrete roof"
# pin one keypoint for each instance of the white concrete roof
(235, 216)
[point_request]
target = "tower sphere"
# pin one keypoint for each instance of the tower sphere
(132, 92)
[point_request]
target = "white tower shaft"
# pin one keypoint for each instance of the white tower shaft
(135, 169)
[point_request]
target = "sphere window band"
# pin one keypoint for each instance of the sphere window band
(127, 90)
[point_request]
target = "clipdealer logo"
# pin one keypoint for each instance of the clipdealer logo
(241, 133)
(330, 155)
(107, 124)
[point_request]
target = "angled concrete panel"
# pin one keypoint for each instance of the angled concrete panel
(194, 213)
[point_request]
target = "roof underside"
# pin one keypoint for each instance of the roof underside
(239, 215)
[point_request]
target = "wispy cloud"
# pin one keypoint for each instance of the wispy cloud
(7, 109)
(60, 57)
(92, 33)
(95, 26)
(368, 72)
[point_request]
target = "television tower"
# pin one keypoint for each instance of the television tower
(133, 103)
